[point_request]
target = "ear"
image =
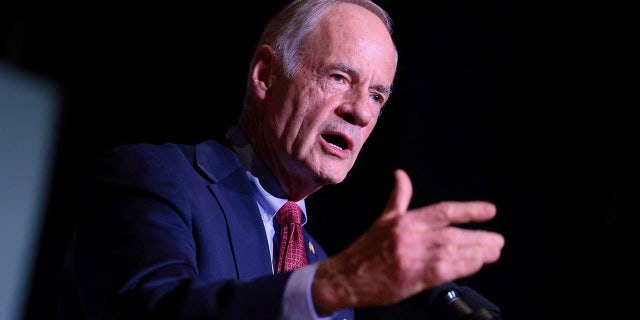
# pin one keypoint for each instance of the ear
(262, 71)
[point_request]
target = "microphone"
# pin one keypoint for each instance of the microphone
(451, 302)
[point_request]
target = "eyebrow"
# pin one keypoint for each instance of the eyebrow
(380, 87)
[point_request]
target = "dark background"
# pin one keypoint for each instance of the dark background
(528, 105)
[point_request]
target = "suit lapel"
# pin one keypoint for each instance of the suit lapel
(246, 231)
(232, 190)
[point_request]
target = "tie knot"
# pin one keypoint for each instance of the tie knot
(290, 212)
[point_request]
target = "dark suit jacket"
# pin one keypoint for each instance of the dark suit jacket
(172, 232)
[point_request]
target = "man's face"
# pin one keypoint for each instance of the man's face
(331, 105)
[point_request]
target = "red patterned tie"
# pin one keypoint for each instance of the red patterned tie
(292, 253)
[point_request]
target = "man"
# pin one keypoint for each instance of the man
(187, 231)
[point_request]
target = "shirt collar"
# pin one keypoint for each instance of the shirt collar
(266, 184)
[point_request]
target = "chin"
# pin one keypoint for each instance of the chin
(329, 171)
(333, 176)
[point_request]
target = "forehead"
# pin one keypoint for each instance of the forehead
(353, 36)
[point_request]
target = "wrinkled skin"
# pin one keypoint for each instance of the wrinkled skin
(344, 81)
(407, 251)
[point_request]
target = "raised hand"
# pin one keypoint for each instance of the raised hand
(406, 251)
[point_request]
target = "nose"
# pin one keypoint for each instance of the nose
(357, 108)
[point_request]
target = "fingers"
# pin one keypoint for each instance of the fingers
(439, 251)
(455, 212)
(411, 250)
(440, 214)
(457, 243)
(401, 194)
(451, 253)
(407, 251)
(465, 237)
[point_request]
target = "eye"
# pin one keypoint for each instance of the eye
(378, 98)
(338, 77)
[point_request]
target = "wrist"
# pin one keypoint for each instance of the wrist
(330, 290)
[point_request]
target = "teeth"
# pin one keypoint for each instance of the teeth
(337, 147)
(335, 140)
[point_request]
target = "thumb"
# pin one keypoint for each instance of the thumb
(401, 195)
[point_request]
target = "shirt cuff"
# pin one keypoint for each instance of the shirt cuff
(297, 302)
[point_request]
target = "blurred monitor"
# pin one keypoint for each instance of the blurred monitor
(29, 111)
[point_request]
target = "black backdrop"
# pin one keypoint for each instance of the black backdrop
(527, 105)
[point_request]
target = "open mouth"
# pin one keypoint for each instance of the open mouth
(336, 140)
